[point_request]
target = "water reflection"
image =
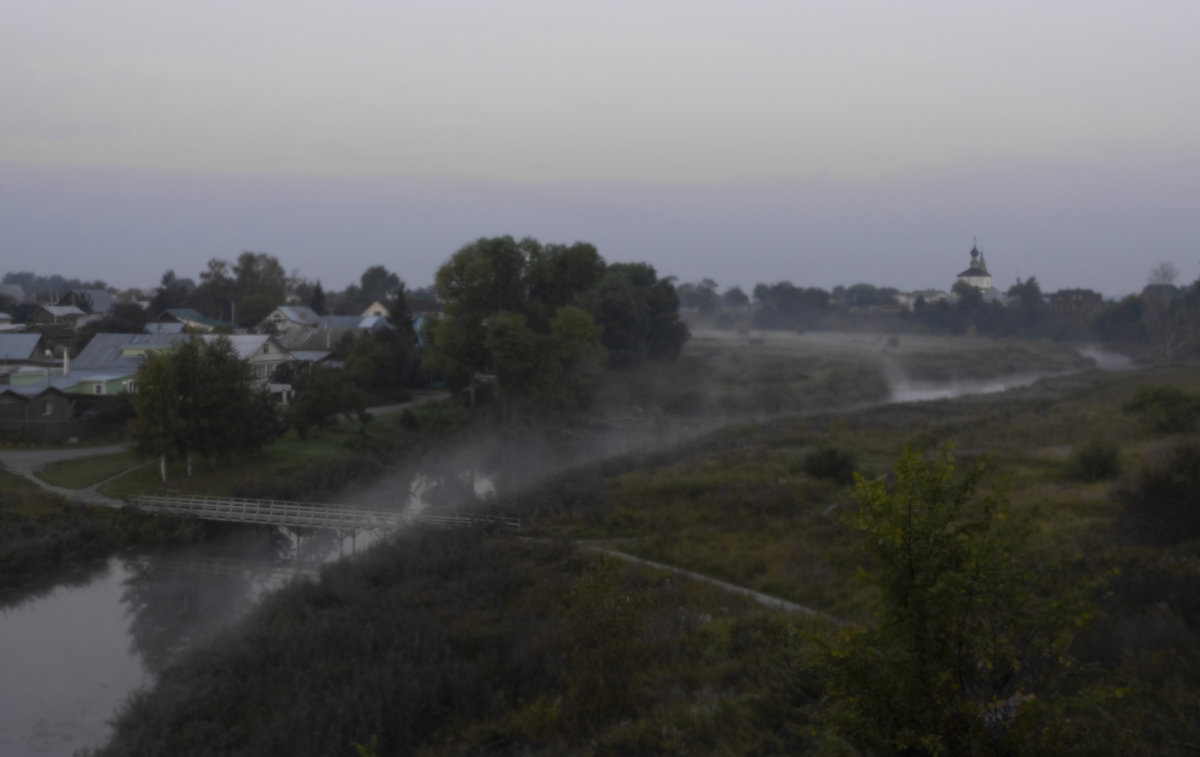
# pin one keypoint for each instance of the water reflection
(66, 666)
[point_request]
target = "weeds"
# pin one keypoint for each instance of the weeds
(1098, 460)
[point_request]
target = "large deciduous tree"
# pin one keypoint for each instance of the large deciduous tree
(541, 320)
(1166, 317)
(260, 286)
(639, 314)
(198, 398)
(156, 405)
(172, 293)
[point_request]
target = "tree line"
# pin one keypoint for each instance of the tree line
(1162, 320)
(526, 326)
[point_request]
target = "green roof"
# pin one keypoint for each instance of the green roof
(195, 316)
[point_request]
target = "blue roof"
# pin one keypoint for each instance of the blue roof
(18, 346)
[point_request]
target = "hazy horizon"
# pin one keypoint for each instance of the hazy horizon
(821, 144)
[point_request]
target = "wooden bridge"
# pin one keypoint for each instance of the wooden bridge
(343, 518)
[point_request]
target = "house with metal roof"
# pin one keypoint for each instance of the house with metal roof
(21, 349)
(197, 321)
(352, 322)
(288, 317)
(56, 314)
(109, 363)
(162, 327)
(97, 301)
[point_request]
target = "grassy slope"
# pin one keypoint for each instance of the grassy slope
(87, 471)
(288, 457)
(457, 643)
(738, 506)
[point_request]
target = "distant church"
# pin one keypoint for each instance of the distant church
(977, 275)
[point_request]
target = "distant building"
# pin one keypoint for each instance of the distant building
(62, 314)
(909, 299)
(196, 321)
(1075, 301)
(288, 317)
(97, 301)
(377, 309)
(977, 275)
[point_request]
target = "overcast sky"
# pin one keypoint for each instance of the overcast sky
(818, 142)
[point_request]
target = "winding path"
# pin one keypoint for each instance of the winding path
(24, 462)
(764, 599)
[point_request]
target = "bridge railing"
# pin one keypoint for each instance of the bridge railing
(305, 514)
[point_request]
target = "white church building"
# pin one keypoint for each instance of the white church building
(977, 275)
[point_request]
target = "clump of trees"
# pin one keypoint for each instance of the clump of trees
(540, 321)
(786, 306)
(199, 398)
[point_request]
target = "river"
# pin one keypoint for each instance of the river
(72, 655)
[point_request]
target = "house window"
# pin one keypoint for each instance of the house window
(98, 389)
(48, 408)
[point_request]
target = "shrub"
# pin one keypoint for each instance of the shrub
(1098, 460)
(1162, 504)
(1165, 409)
(830, 462)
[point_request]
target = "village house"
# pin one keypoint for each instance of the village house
(97, 301)
(40, 414)
(288, 317)
(377, 309)
(56, 314)
(908, 300)
(111, 360)
(195, 321)
(19, 351)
